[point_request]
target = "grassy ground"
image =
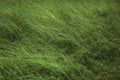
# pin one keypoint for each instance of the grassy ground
(59, 39)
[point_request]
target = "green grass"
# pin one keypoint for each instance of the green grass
(59, 39)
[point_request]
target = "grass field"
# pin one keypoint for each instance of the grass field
(59, 40)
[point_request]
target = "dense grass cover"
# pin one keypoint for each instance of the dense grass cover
(59, 39)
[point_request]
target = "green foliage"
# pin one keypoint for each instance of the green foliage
(59, 40)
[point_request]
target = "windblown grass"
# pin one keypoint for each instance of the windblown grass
(59, 39)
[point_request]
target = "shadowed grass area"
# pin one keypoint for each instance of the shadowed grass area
(59, 40)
